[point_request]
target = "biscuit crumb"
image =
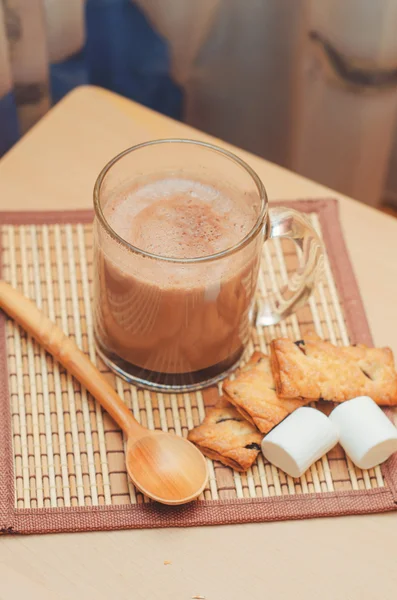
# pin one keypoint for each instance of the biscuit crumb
(198, 597)
(167, 562)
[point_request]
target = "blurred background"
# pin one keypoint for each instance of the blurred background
(308, 84)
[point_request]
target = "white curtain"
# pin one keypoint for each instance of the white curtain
(309, 84)
(34, 33)
(235, 61)
(347, 97)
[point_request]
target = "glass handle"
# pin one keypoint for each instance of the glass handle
(286, 223)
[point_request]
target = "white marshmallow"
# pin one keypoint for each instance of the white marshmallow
(298, 441)
(365, 433)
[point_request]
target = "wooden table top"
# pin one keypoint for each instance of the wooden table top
(54, 167)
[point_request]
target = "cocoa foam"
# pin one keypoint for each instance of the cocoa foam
(180, 218)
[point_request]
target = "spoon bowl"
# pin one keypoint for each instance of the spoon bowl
(166, 468)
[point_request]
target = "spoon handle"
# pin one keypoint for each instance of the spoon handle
(64, 349)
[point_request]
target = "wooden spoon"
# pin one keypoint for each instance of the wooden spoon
(167, 468)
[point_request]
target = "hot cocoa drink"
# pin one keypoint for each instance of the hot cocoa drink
(169, 321)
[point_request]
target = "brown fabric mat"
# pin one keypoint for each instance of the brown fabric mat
(62, 458)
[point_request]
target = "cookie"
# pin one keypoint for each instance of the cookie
(225, 436)
(253, 393)
(318, 370)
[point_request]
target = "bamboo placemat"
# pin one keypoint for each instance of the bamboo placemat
(62, 458)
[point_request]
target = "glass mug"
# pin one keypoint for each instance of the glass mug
(174, 324)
